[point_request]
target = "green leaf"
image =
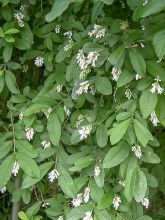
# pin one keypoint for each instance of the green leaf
(137, 61)
(23, 216)
(116, 58)
(7, 53)
(82, 163)
(148, 103)
(159, 42)
(66, 183)
(108, 2)
(152, 7)
(103, 85)
(101, 135)
(58, 8)
(26, 148)
(102, 215)
(96, 192)
(10, 80)
(6, 168)
(5, 148)
(144, 217)
(150, 157)
(116, 155)
(96, 10)
(29, 181)
(142, 133)
(28, 165)
(12, 31)
(100, 179)
(33, 209)
(54, 128)
(35, 108)
(106, 201)
(140, 186)
(125, 78)
(119, 131)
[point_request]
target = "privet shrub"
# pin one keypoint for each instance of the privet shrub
(82, 109)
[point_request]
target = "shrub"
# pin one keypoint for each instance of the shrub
(82, 109)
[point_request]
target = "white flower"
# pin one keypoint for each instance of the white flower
(57, 28)
(23, 7)
(59, 88)
(86, 195)
(115, 73)
(46, 144)
(19, 16)
(66, 110)
(69, 45)
(142, 45)
(79, 120)
(145, 2)
(82, 60)
(21, 116)
(54, 174)
(68, 34)
(29, 133)
(88, 216)
(93, 57)
(143, 27)
(145, 202)
(84, 73)
(60, 218)
(39, 61)
(122, 183)
(45, 204)
(15, 168)
(128, 93)
(98, 31)
(156, 86)
(116, 202)
(83, 88)
(77, 201)
(154, 119)
(137, 76)
(137, 150)
(97, 171)
(85, 131)
(3, 190)
(47, 112)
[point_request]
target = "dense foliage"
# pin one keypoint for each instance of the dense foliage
(82, 109)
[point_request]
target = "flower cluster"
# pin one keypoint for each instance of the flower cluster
(85, 131)
(145, 2)
(69, 45)
(156, 86)
(137, 150)
(3, 190)
(122, 183)
(145, 202)
(67, 110)
(86, 195)
(54, 174)
(47, 112)
(97, 171)
(45, 144)
(29, 133)
(45, 204)
(15, 168)
(79, 120)
(98, 31)
(19, 17)
(128, 93)
(59, 88)
(115, 73)
(57, 29)
(39, 61)
(81, 197)
(116, 202)
(60, 218)
(137, 76)
(88, 216)
(68, 34)
(154, 119)
(82, 88)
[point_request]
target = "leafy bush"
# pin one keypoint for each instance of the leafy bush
(82, 109)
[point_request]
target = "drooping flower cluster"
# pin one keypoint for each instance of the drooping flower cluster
(45, 144)
(122, 183)
(60, 218)
(156, 86)
(15, 168)
(68, 34)
(128, 93)
(88, 216)
(29, 133)
(137, 76)
(47, 112)
(57, 29)
(19, 17)
(54, 174)
(145, 202)
(145, 2)
(39, 61)
(81, 197)
(154, 119)
(59, 88)
(21, 116)
(45, 204)
(97, 171)
(82, 88)
(92, 58)
(116, 202)
(115, 73)
(137, 150)
(79, 120)
(3, 190)
(69, 45)
(85, 131)
(67, 110)
(98, 31)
